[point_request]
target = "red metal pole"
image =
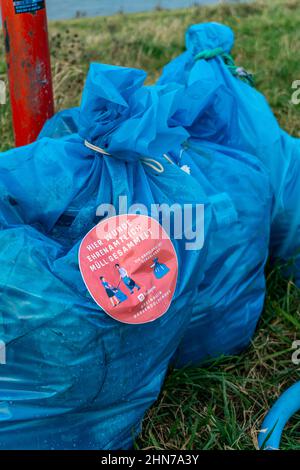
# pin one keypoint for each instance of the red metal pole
(29, 71)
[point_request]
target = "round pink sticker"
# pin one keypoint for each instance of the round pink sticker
(130, 268)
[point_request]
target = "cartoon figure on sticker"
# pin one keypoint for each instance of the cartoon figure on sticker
(116, 296)
(160, 270)
(129, 283)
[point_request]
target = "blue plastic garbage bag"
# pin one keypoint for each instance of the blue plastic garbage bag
(75, 378)
(239, 116)
(160, 270)
(231, 296)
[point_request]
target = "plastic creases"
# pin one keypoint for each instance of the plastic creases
(248, 124)
(75, 378)
(231, 297)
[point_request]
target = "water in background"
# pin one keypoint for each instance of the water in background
(62, 9)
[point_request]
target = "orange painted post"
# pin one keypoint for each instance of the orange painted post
(29, 71)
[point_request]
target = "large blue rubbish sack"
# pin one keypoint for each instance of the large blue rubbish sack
(239, 116)
(231, 295)
(75, 378)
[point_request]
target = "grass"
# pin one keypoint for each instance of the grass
(220, 406)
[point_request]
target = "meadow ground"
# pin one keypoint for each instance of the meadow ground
(220, 406)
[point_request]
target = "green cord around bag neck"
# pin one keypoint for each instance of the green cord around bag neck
(236, 71)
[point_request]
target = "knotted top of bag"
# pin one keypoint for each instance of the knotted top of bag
(210, 40)
(127, 119)
(209, 36)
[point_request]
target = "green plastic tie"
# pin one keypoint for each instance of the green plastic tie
(209, 54)
(236, 71)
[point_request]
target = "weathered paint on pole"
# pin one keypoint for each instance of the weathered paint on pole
(29, 71)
